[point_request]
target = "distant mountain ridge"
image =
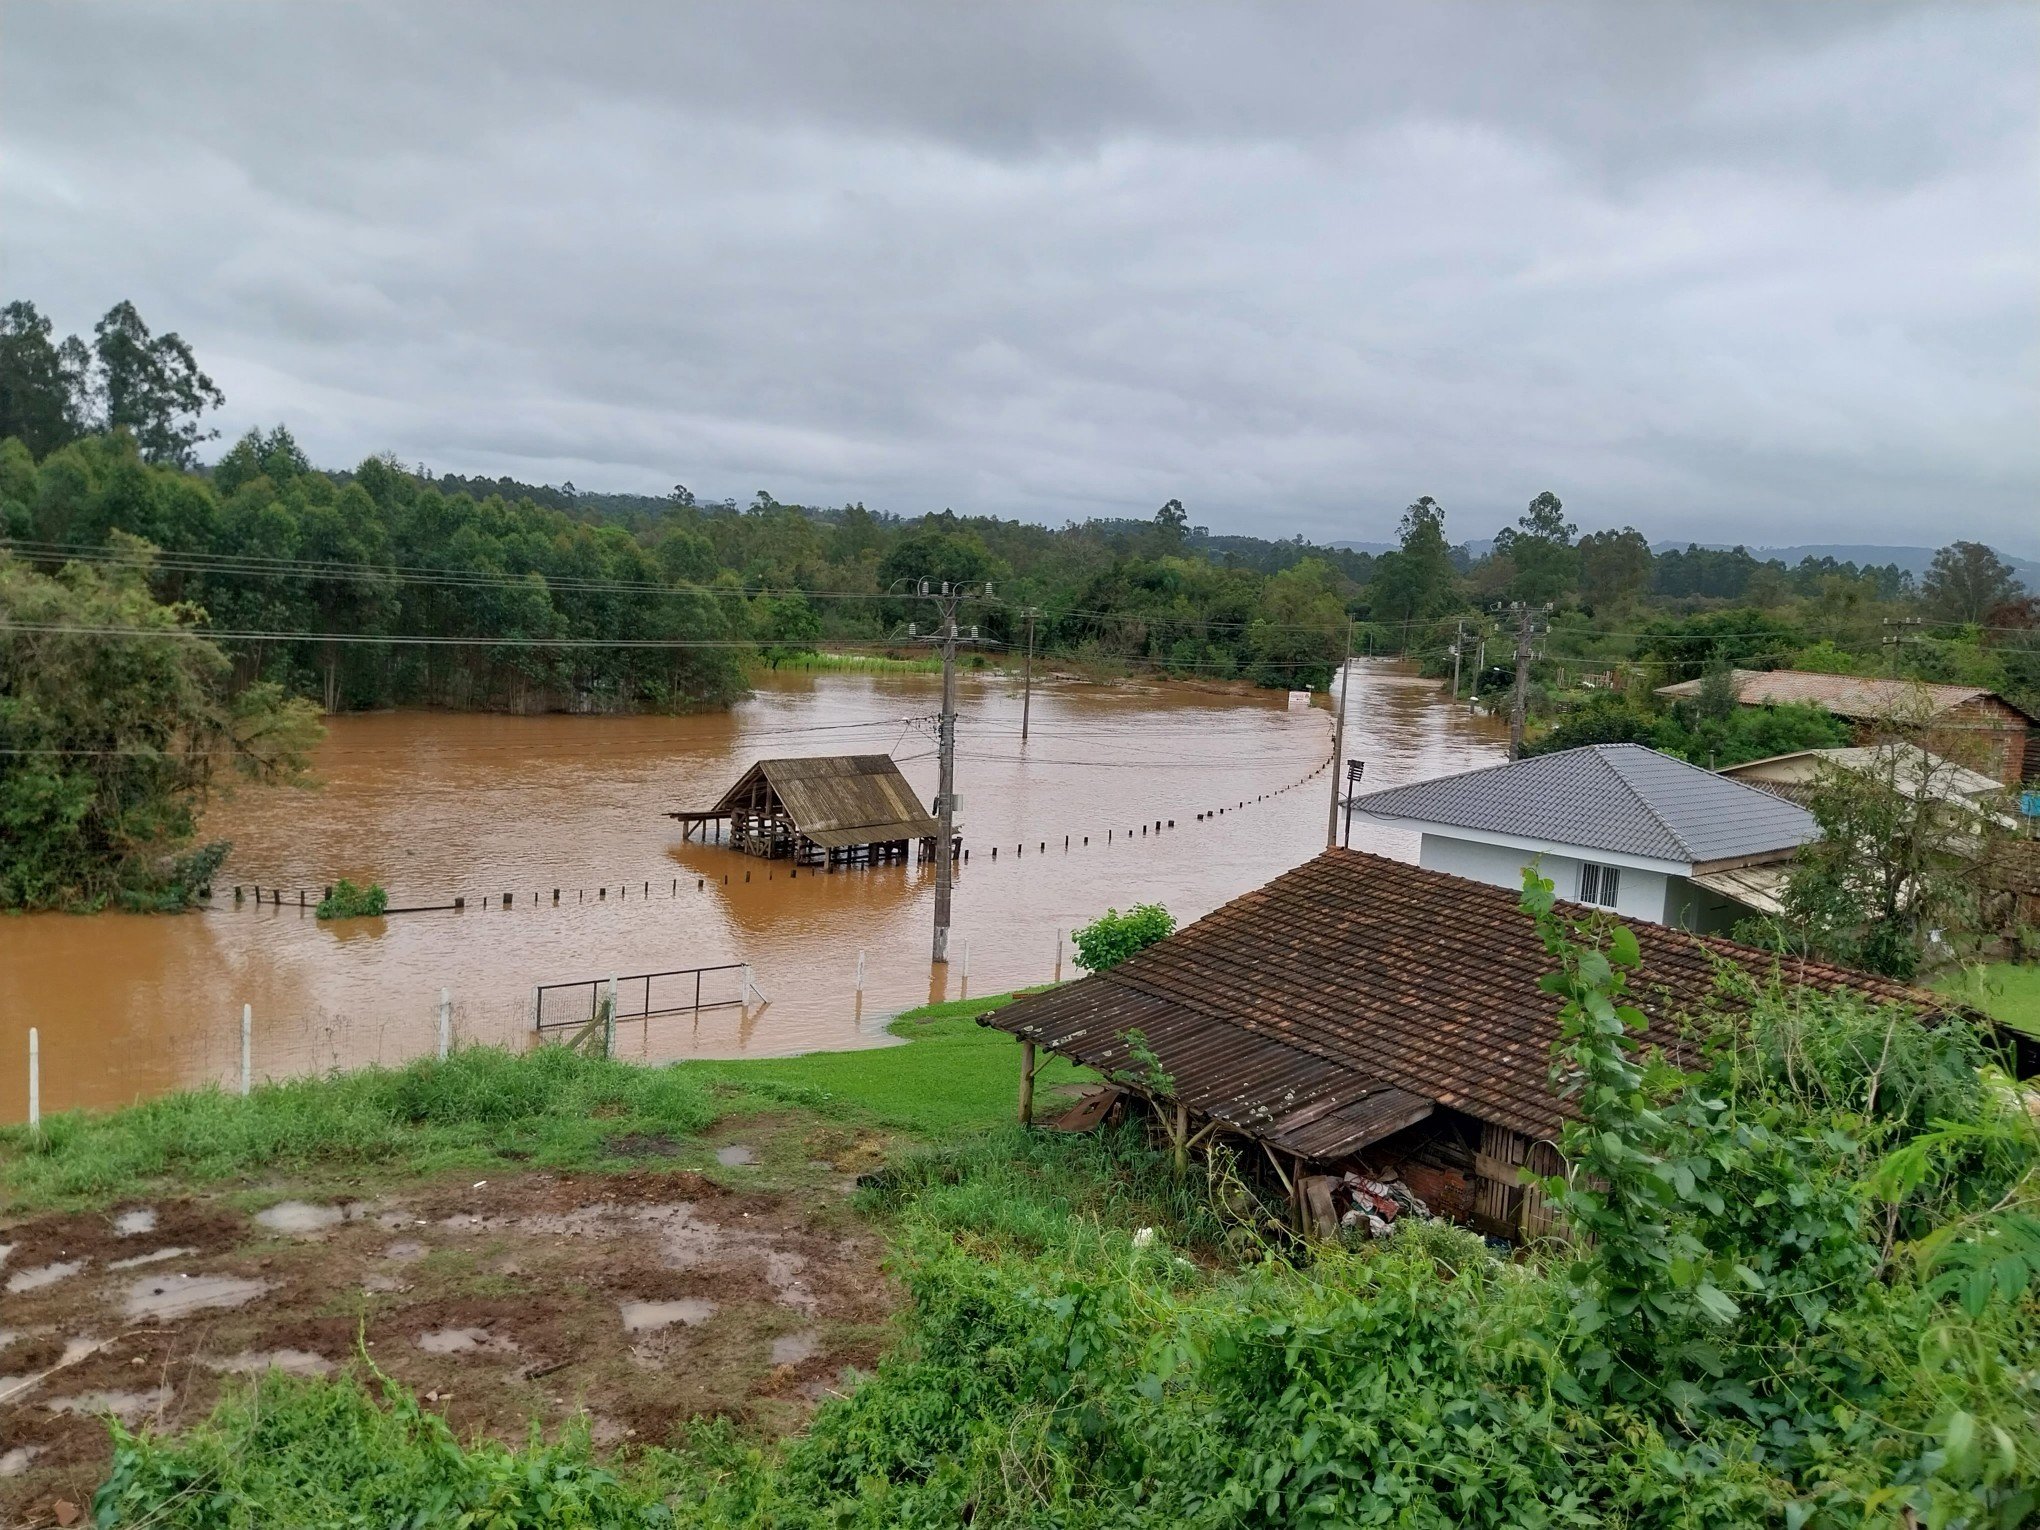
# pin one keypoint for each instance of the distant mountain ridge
(1914, 560)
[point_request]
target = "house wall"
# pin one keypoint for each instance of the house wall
(1641, 893)
(1704, 912)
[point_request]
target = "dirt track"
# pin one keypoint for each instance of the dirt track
(645, 1298)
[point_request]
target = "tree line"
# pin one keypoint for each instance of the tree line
(389, 585)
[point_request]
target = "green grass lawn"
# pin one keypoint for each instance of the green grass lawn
(549, 1108)
(952, 1076)
(2006, 991)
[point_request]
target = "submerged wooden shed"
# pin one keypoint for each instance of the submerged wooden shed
(831, 809)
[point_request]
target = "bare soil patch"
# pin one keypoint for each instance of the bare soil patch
(645, 1298)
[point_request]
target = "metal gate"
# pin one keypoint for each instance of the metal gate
(642, 995)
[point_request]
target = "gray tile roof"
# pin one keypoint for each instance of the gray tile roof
(1622, 798)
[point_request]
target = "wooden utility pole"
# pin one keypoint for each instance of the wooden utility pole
(1521, 697)
(1458, 641)
(1339, 736)
(1027, 678)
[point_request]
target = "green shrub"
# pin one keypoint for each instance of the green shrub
(346, 901)
(1113, 937)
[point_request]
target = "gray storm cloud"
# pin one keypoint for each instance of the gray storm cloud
(1763, 272)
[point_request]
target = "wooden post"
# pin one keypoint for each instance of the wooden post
(34, 1082)
(1026, 1081)
(860, 972)
(609, 1022)
(1182, 1139)
(445, 1024)
(247, 1048)
(537, 1013)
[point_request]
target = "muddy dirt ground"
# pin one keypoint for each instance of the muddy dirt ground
(644, 1298)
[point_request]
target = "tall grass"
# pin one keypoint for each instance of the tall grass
(551, 1106)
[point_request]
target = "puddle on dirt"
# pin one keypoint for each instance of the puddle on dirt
(174, 1296)
(463, 1341)
(18, 1460)
(122, 1405)
(138, 1260)
(641, 1317)
(404, 1253)
(304, 1216)
(5, 1250)
(378, 1284)
(43, 1275)
(782, 1273)
(735, 1156)
(292, 1362)
(132, 1224)
(792, 1348)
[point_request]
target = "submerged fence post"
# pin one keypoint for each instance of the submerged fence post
(860, 972)
(445, 1024)
(609, 1021)
(34, 1081)
(1058, 955)
(966, 961)
(247, 1048)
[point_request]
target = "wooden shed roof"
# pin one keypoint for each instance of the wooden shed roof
(1346, 998)
(839, 799)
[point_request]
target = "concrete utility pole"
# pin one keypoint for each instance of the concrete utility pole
(947, 598)
(1027, 678)
(1522, 693)
(1339, 736)
(1458, 642)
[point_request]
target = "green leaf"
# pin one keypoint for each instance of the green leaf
(1716, 1303)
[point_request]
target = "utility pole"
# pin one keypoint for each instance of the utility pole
(1339, 736)
(947, 598)
(1458, 642)
(1891, 644)
(1027, 678)
(1522, 693)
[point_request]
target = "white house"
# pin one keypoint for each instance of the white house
(1617, 826)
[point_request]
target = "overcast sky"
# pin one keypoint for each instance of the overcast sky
(1729, 271)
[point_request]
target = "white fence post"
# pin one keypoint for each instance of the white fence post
(966, 961)
(1058, 954)
(609, 1021)
(34, 1081)
(445, 1024)
(860, 972)
(247, 1048)
(537, 1008)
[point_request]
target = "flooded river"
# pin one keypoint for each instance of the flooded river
(436, 806)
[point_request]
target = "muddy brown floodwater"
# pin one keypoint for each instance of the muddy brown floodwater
(437, 805)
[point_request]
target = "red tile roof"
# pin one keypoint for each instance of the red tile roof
(1862, 697)
(1322, 1010)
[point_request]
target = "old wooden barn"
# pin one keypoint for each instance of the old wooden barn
(818, 810)
(1359, 1014)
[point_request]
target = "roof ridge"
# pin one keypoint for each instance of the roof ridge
(1685, 845)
